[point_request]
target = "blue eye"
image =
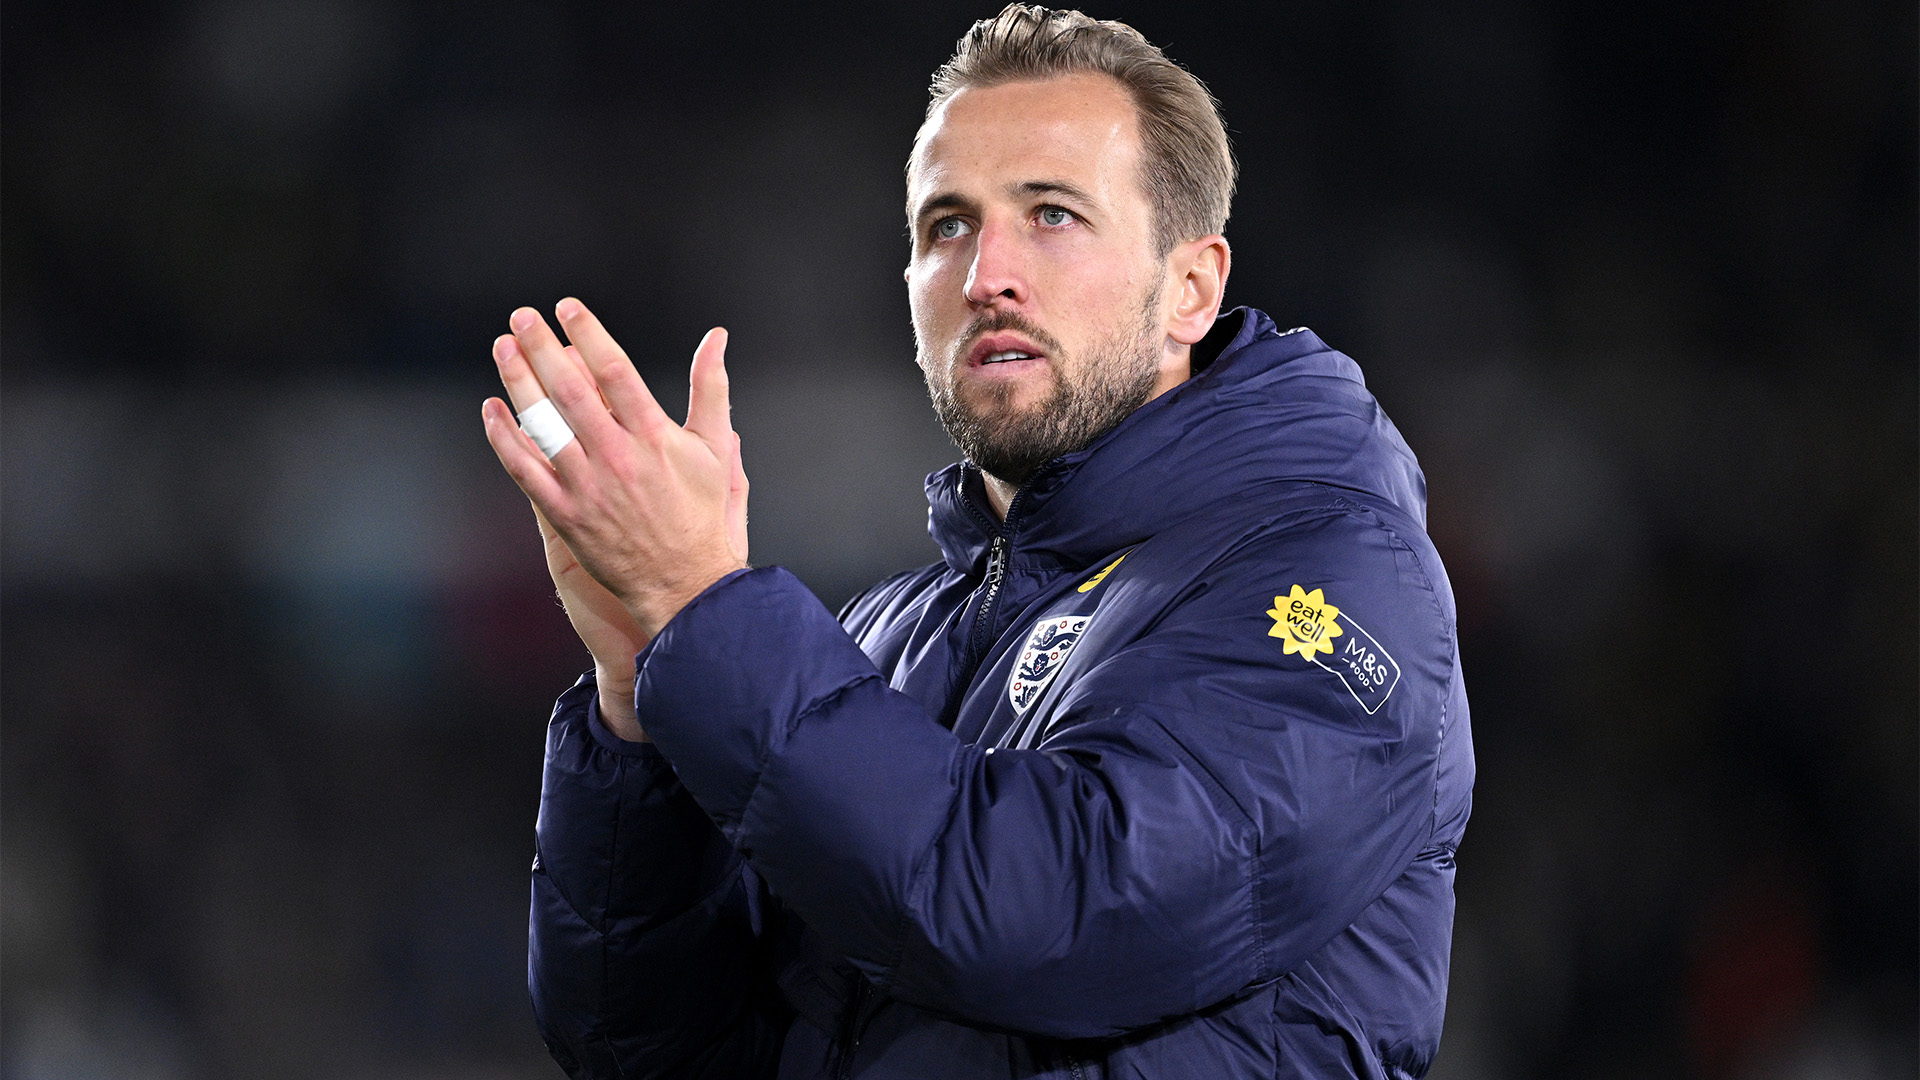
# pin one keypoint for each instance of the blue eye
(950, 228)
(1054, 217)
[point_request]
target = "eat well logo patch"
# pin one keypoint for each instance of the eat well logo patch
(1309, 625)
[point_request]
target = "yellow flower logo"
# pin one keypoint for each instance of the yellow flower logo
(1304, 623)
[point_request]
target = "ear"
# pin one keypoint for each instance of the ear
(1197, 271)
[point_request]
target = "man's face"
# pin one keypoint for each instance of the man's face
(1037, 296)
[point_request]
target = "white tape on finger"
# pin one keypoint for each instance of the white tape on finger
(542, 423)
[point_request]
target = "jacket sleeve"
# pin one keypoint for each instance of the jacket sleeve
(643, 957)
(1208, 810)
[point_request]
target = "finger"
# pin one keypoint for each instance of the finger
(523, 386)
(571, 389)
(625, 392)
(525, 391)
(516, 374)
(573, 354)
(709, 413)
(522, 460)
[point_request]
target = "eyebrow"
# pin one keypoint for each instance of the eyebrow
(953, 200)
(946, 200)
(1052, 187)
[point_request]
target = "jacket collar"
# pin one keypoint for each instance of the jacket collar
(1262, 407)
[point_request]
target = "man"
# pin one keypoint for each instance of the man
(1158, 773)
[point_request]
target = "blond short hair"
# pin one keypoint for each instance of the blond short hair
(1187, 166)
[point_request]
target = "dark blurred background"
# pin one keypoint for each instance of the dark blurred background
(1638, 281)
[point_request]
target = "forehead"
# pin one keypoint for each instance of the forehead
(1076, 127)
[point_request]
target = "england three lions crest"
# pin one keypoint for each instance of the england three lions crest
(1046, 652)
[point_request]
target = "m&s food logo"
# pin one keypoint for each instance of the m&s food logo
(1307, 625)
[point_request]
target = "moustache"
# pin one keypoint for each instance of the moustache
(994, 322)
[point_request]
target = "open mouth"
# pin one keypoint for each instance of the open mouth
(1000, 349)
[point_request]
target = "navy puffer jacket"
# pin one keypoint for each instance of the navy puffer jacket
(1161, 777)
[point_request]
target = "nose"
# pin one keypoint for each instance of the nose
(998, 271)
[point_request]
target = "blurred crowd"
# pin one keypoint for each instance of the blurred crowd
(1637, 281)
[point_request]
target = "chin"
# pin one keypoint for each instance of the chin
(1002, 395)
(1001, 400)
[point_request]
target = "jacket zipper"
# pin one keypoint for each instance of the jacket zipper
(996, 573)
(850, 1038)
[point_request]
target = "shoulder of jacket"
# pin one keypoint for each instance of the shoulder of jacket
(1290, 516)
(888, 594)
(1316, 537)
(1334, 512)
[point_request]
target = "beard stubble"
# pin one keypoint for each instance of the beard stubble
(1088, 399)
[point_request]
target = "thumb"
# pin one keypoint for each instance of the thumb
(737, 503)
(708, 408)
(547, 532)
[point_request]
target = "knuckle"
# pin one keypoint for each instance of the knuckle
(624, 470)
(572, 393)
(652, 430)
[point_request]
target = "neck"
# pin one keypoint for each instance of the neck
(999, 493)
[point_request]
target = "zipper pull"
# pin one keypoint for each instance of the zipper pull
(996, 561)
(990, 593)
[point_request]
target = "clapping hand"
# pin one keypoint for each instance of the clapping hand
(639, 514)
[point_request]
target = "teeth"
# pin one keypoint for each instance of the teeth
(1006, 354)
